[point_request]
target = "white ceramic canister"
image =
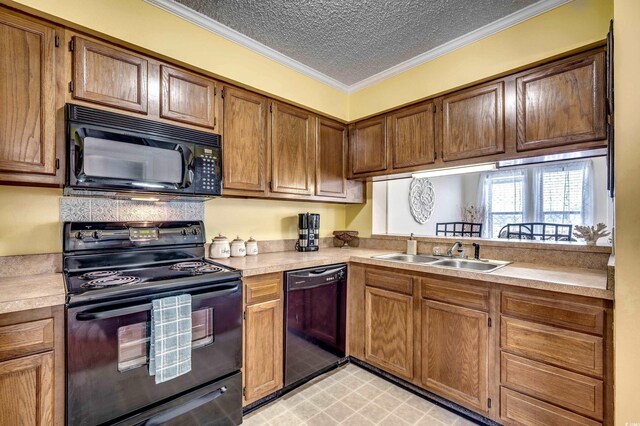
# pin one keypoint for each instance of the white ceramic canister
(219, 248)
(238, 248)
(252, 247)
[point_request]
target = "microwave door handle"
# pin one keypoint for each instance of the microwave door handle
(170, 414)
(111, 313)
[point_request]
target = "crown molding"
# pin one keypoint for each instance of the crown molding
(228, 33)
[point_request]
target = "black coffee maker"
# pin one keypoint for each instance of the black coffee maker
(308, 232)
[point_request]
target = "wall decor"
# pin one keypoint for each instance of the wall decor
(90, 209)
(422, 199)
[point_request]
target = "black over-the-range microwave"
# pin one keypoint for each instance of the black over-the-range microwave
(115, 153)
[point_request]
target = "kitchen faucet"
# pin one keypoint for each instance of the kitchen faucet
(456, 244)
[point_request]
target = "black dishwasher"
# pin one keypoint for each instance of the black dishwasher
(315, 308)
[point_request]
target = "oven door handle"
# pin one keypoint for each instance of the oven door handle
(110, 313)
(172, 413)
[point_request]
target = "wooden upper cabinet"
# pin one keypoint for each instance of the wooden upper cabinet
(186, 97)
(473, 122)
(245, 140)
(412, 135)
(562, 103)
(455, 348)
(369, 146)
(27, 96)
(110, 76)
(331, 151)
(26, 390)
(292, 150)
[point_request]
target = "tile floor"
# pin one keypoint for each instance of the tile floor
(352, 396)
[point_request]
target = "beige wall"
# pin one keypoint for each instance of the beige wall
(627, 304)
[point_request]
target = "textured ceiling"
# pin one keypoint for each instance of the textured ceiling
(351, 41)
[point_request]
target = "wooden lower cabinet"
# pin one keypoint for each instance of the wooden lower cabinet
(515, 355)
(263, 337)
(455, 348)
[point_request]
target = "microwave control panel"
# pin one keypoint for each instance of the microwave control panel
(207, 173)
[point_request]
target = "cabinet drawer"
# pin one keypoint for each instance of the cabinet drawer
(26, 338)
(519, 409)
(389, 281)
(458, 294)
(567, 349)
(574, 316)
(263, 288)
(573, 391)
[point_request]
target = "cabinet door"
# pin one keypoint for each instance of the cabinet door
(292, 150)
(245, 140)
(187, 97)
(27, 96)
(455, 346)
(26, 390)
(369, 146)
(562, 103)
(389, 331)
(263, 349)
(412, 134)
(109, 76)
(331, 149)
(473, 122)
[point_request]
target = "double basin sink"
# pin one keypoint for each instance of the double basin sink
(446, 262)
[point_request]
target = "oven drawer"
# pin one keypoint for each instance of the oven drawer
(218, 403)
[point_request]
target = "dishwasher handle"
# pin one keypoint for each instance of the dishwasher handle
(313, 278)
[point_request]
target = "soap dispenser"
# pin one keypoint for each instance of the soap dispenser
(412, 246)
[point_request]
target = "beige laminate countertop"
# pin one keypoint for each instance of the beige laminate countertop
(31, 292)
(584, 282)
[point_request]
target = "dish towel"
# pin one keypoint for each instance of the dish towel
(170, 342)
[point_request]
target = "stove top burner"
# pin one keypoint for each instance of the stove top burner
(110, 281)
(195, 267)
(98, 274)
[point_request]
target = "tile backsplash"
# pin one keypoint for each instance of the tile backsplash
(90, 209)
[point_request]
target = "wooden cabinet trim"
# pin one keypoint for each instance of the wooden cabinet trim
(168, 105)
(574, 316)
(477, 401)
(572, 391)
(582, 353)
(26, 338)
(389, 281)
(471, 296)
(338, 155)
(597, 102)
(82, 47)
(406, 156)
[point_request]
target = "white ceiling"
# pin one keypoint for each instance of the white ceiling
(350, 45)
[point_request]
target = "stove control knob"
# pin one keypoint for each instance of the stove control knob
(79, 235)
(195, 231)
(184, 231)
(97, 235)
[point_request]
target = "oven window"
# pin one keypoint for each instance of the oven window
(133, 339)
(121, 160)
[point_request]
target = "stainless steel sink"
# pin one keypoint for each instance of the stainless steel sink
(408, 258)
(446, 262)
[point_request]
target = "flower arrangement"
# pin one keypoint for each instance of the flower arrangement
(472, 213)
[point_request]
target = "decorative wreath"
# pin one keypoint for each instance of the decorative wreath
(422, 198)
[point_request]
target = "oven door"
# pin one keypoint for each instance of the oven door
(101, 158)
(108, 348)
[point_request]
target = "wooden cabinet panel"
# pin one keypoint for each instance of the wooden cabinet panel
(469, 295)
(369, 146)
(412, 135)
(26, 338)
(26, 390)
(27, 96)
(245, 140)
(473, 122)
(263, 349)
(565, 314)
(110, 76)
(567, 349)
(187, 97)
(331, 168)
(388, 280)
(562, 103)
(573, 391)
(455, 348)
(519, 409)
(389, 331)
(263, 288)
(292, 150)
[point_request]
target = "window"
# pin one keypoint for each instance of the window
(562, 194)
(505, 199)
